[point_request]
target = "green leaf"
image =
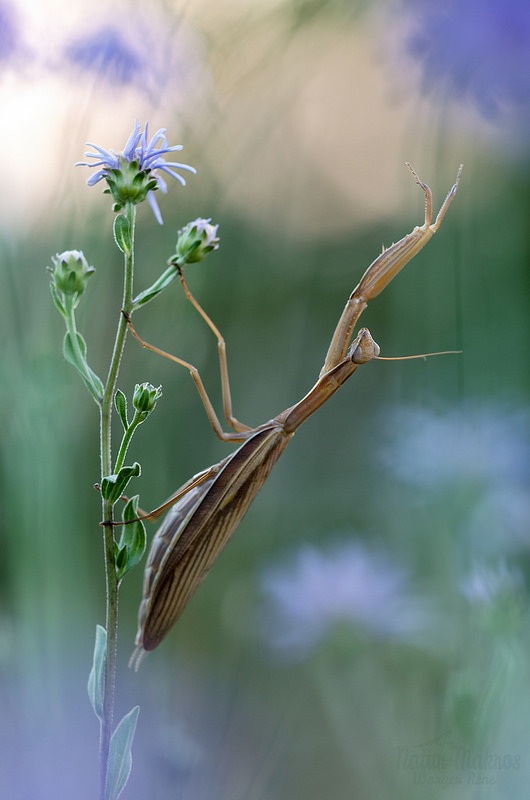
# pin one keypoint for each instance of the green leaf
(113, 486)
(122, 234)
(121, 561)
(77, 357)
(95, 685)
(120, 401)
(120, 758)
(159, 285)
(130, 510)
(132, 542)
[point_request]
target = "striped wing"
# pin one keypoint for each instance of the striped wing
(197, 528)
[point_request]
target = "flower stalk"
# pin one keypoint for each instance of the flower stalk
(111, 621)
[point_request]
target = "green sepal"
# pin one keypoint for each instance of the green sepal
(120, 401)
(95, 686)
(122, 234)
(158, 286)
(77, 357)
(57, 300)
(140, 185)
(131, 546)
(120, 758)
(113, 486)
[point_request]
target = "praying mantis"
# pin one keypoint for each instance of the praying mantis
(208, 508)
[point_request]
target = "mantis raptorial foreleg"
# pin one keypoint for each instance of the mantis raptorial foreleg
(378, 275)
(385, 267)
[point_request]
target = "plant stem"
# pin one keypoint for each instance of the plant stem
(127, 436)
(107, 508)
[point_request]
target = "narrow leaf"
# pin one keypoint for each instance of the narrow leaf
(95, 679)
(122, 234)
(77, 357)
(120, 401)
(159, 285)
(120, 758)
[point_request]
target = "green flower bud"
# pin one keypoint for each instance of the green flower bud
(195, 241)
(145, 397)
(71, 272)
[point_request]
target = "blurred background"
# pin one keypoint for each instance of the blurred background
(366, 632)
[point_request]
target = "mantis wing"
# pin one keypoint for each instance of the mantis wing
(197, 528)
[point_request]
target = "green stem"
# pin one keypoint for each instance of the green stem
(82, 365)
(127, 436)
(107, 507)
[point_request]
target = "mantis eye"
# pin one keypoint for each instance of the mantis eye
(364, 348)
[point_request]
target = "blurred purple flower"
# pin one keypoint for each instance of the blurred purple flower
(485, 445)
(148, 155)
(500, 521)
(9, 34)
(347, 584)
(476, 50)
(484, 584)
(107, 53)
(139, 51)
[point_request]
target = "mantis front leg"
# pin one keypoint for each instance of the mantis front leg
(385, 267)
(375, 279)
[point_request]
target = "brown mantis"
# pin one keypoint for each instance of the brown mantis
(208, 508)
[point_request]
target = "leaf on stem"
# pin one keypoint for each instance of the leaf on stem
(77, 357)
(122, 234)
(113, 486)
(95, 685)
(131, 546)
(120, 758)
(120, 401)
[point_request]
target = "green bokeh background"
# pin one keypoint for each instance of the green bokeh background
(222, 714)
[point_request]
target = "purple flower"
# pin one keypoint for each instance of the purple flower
(139, 155)
(347, 584)
(476, 50)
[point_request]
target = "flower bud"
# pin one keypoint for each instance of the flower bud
(195, 241)
(71, 272)
(145, 397)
